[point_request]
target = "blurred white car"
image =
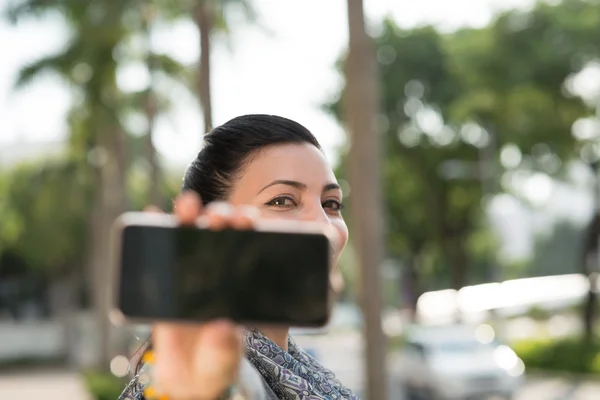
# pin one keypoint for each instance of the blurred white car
(345, 317)
(458, 362)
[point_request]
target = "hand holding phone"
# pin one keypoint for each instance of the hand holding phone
(198, 361)
(201, 359)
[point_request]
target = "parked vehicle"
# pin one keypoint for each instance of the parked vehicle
(458, 362)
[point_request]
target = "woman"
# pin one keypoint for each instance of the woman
(254, 166)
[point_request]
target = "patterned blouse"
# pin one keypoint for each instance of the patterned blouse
(271, 373)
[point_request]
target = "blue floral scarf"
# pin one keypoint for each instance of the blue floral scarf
(293, 374)
(290, 375)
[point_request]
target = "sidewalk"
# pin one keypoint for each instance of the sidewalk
(42, 385)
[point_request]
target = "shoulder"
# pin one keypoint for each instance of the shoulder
(253, 384)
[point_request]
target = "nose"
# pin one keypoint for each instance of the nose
(315, 212)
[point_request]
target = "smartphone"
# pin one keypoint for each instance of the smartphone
(167, 272)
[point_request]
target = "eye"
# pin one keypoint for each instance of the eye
(282, 202)
(333, 205)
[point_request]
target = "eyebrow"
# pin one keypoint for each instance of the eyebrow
(300, 185)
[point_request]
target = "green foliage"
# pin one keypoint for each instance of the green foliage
(103, 386)
(450, 103)
(571, 354)
(538, 314)
(44, 210)
(46, 205)
(560, 252)
(518, 68)
(427, 213)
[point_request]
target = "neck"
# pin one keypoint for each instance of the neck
(276, 334)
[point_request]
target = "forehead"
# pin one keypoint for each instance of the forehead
(298, 162)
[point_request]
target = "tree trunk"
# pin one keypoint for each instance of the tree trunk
(361, 107)
(410, 288)
(151, 110)
(111, 202)
(457, 259)
(589, 310)
(203, 17)
(590, 268)
(154, 192)
(591, 260)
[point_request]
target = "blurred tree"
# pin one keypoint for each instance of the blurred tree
(360, 111)
(47, 230)
(163, 72)
(148, 15)
(98, 138)
(517, 85)
(432, 202)
(452, 102)
(558, 252)
(88, 64)
(514, 74)
(210, 16)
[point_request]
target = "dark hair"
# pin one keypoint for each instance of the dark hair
(230, 146)
(227, 149)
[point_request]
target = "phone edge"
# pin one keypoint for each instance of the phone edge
(140, 218)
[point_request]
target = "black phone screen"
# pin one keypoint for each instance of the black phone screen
(186, 273)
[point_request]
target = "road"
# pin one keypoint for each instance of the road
(59, 385)
(42, 385)
(68, 386)
(342, 353)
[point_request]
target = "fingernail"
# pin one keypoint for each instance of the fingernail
(221, 208)
(152, 209)
(249, 211)
(202, 222)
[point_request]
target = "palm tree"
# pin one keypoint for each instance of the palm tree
(87, 64)
(148, 15)
(154, 102)
(361, 108)
(97, 137)
(209, 16)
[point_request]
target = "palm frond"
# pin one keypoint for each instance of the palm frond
(51, 64)
(60, 64)
(169, 66)
(17, 9)
(247, 7)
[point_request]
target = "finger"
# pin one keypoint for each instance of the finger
(221, 344)
(221, 353)
(152, 209)
(171, 345)
(218, 215)
(188, 207)
(197, 362)
(244, 217)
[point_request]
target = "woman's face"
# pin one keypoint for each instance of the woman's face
(293, 181)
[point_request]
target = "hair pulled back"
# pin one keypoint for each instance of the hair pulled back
(228, 148)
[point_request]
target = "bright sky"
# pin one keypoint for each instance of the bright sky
(289, 71)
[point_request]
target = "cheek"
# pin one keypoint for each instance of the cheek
(342, 230)
(272, 214)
